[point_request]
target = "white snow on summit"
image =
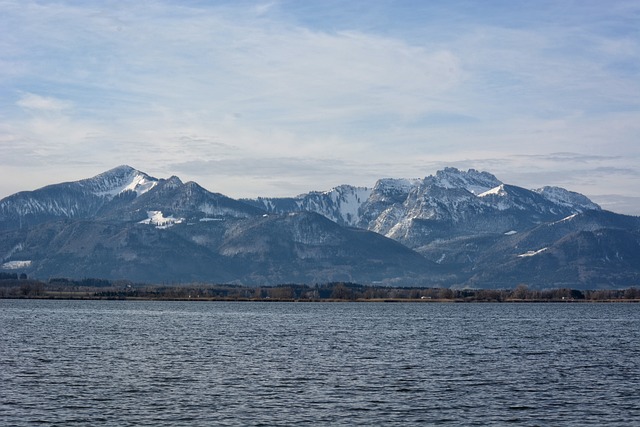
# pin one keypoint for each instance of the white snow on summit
(499, 191)
(563, 197)
(138, 183)
(115, 181)
(401, 184)
(502, 203)
(473, 181)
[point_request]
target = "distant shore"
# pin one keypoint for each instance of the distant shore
(100, 289)
(266, 300)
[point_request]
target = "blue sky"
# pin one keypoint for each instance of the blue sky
(277, 98)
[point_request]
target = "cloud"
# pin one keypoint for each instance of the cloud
(271, 71)
(616, 203)
(264, 8)
(276, 176)
(31, 101)
(563, 157)
(322, 95)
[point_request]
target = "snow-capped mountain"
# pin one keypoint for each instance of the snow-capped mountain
(454, 228)
(172, 197)
(449, 203)
(78, 199)
(116, 181)
(120, 193)
(340, 204)
(571, 199)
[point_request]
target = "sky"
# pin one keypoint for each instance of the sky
(278, 98)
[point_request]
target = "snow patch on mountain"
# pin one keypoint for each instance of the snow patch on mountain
(14, 265)
(158, 219)
(500, 198)
(138, 183)
(498, 191)
(342, 204)
(569, 218)
(532, 253)
(215, 210)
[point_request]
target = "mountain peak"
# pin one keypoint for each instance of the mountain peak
(121, 169)
(565, 197)
(389, 186)
(117, 180)
(173, 182)
(472, 180)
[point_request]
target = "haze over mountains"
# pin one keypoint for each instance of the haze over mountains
(452, 229)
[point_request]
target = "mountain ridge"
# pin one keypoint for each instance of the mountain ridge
(451, 229)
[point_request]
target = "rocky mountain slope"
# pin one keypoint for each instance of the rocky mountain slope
(445, 205)
(454, 228)
(341, 204)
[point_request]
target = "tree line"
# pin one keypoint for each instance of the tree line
(19, 286)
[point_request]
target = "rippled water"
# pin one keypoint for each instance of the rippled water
(187, 363)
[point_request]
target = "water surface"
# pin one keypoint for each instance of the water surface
(122, 363)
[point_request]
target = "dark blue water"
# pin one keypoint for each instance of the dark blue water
(200, 364)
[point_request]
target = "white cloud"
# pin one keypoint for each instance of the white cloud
(264, 8)
(32, 101)
(163, 84)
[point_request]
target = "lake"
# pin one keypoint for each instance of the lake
(126, 363)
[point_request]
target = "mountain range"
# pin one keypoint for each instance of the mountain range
(452, 229)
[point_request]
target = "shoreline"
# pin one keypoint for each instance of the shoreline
(320, 300)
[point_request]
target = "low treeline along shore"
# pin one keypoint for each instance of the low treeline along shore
(19, 286)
